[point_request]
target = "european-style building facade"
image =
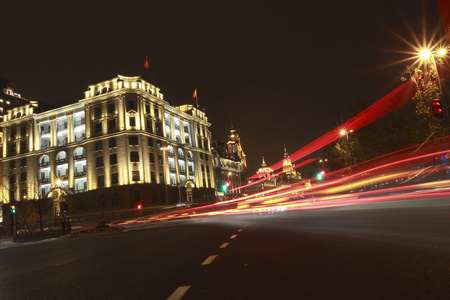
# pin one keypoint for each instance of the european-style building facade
(123, 143)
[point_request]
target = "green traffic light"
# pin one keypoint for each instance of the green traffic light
(319, 177)
(13, 209)
(224, 188)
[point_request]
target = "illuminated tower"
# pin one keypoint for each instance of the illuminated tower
(234, 147)
(287, 165)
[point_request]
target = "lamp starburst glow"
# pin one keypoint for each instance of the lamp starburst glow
(425, 54)
(441, 52)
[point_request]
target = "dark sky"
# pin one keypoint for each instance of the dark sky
(285, 72)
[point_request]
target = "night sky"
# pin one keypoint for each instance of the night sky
(283, 72)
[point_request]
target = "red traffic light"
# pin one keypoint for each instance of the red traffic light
(436, 106)
(139, 206)
(227, 184)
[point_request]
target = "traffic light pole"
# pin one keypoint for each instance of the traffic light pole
(15, 225)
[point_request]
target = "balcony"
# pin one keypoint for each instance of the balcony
(79, 156)
(61, 160)
(79, 122)
(44, 179)
(80, 173)
(62, 127)
(44, 163)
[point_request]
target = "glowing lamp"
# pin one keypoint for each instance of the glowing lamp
(441, 52)
(425, 54)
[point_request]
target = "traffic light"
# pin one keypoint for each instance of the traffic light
(13, 209)
(139, 206)
(320, 175)
(227, 184)
(224, 188)
(436, 105)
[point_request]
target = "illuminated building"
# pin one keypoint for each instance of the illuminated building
(105, 152)
(230, 164)
(289, 174)
(8, 100)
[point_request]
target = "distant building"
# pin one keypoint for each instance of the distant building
(122, 145)
(289, 174)
(230, 165)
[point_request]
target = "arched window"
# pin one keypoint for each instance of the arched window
(190, 156)
(44, 160)
(171, 151)
(180, 153)
(61, 157)
(79, 153)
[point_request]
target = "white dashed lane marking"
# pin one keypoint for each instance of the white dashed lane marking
(209, 260)
(233, 236)
(179, 292)
(224, 245)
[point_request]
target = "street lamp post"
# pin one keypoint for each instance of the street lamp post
(344, 132)
(431, 54)
(164, 149)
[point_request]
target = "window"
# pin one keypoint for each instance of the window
(156, 113)
(98, 127)
(158, 144)
(132, 121)
(147, 108)
(23, 146)
(160, 159)
(135, 175)
(98, 145)
(111, 108)
(114, 178)
(23, 176)
(13, 133)
(13, 164)
(149, 126)
(112, 143)
(23, 131)
(98, 111)
(23, 162)
(100, 180)
(150, 142)
(112, 124)
(153, 176)
(99, 161)
(152, 157)
(131, 105)
(113, 159)
(134, 156)
(12, 149)
(133, 140)
(161, 178)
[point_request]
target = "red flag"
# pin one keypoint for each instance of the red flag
(146, 64)
(194, 95)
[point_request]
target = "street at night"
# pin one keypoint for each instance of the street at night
(201, 150)
(387, 250)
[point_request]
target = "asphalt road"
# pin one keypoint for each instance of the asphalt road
(390, 250)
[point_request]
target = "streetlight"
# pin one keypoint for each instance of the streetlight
(344, 132)
(164, 149)
(431, 54)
